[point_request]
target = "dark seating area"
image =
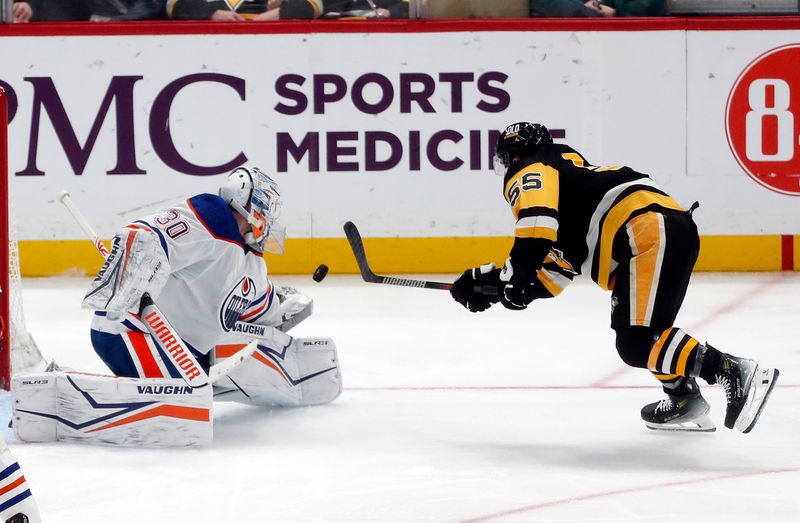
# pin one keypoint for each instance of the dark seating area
(21, 11)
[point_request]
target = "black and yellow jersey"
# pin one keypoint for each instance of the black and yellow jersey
(570, 211)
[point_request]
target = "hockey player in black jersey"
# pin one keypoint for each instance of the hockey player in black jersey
(617, 226)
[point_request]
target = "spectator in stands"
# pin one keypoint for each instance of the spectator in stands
(220, 10)
(636, 7)
(307, 9)
(121, 10)
(95, 10)
(21, 12)
(60, 10)
(262, 10)
(570, 8)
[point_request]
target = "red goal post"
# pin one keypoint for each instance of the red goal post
(18, 351)
(5, 290)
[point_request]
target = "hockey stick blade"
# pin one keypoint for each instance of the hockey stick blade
(357, 246)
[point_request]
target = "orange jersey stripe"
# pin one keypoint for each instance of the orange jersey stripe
(255, 312)
(11, 486)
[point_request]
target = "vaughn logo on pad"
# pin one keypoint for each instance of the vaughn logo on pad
(163, 389)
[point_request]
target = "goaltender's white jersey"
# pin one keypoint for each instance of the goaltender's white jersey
(215, 278)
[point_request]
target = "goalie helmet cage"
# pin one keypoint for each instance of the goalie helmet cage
(18, 351)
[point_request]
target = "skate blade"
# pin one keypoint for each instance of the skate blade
(760, 389)
(703, 424)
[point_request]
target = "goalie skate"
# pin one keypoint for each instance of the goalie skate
(760, 389)
(679, 413)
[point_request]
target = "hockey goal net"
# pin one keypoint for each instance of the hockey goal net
(18, 351)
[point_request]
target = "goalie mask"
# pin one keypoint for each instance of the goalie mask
(255, 196)
(519, 139)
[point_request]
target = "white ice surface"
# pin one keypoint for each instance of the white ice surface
(449, 416)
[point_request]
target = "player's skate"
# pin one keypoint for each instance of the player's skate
(747, 389)
(688, 412)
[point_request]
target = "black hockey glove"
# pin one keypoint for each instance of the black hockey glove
(518, 287)
(467, 288)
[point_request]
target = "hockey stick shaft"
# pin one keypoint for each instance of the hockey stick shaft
(160, 328)
(357, 246)
(66, 199)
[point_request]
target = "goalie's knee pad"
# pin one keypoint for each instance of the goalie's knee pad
(104, 409)
(303, 372)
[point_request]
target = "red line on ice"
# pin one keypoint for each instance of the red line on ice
(608, 493)
(503, 388)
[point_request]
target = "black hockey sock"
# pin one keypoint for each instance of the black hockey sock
(710, 364)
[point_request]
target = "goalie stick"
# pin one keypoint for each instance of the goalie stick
(174, 347)
(357, 245)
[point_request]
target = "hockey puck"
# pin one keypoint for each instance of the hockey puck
(320, 273)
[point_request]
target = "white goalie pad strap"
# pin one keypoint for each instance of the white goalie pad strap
(154, 412)
(16, 498)
(304, 372)
(136, 265)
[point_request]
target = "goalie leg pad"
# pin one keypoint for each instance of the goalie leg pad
(16, 499)
(304, 372)
(105, 409)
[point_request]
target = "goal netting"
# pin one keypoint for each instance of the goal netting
(19, 351)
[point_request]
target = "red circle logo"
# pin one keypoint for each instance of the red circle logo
(762, 120)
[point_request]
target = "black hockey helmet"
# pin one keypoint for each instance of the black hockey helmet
(519, 139)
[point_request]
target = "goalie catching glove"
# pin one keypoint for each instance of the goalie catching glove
(136, 265)
(293, 307)
(466, 289)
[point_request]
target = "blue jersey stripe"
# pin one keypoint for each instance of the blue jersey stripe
(9, 470)
(16, 499)
(266, 308)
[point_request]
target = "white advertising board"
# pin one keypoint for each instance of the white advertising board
(391, 130)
